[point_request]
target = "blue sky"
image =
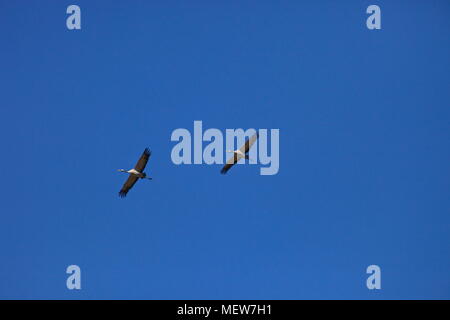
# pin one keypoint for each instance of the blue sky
(364, 150)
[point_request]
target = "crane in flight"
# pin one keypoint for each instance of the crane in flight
(240, 153)
(136, 173)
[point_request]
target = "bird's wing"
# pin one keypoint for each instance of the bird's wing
(231, 162)
(248, 144)
(140, 165)
(128, 185)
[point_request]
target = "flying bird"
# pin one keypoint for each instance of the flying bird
(136, 173)
(240, 153)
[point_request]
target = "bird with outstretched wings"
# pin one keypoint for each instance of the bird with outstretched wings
(136, 173)
(242, 152)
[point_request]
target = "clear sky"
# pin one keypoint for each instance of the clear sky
(364, 119)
